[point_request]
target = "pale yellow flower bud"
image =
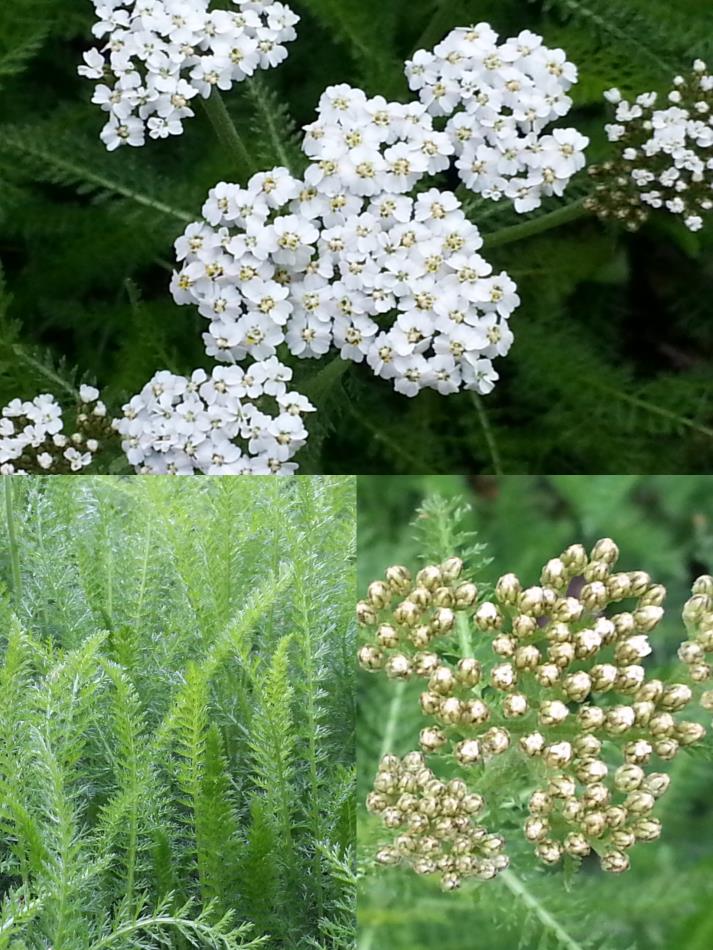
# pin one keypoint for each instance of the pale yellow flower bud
(488, 616)
(442, 681)
(540, 803)
(577, 686)
(508, 589)
(420, 596)
(575, 557)
(370, 658)
(468, 671)
(553, 712)
(536, 828)
(429, 577)
(432, 739)
(548, 674)
(474, 712)
(451, 569)
(399, 579)
(576, 845)
(467, 752)
(503, 676)
(533, 743)
(424, 664)
(558, 754)
(676, 696)
(646, 618)
(365, 614)
(594, 596)
(379, 595)
(615, 862)
(549, 852)
(638, 751)
(443, 620)
(555, 575)
(592, 771)
(515, 705)
(398, 667)
(407, 614)
(465, 595)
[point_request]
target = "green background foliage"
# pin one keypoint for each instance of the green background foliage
(664, 525)
(611, 366)
(176, 713)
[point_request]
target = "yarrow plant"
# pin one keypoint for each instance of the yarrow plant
(499, 99)
(33, 437)
(159, 54)
(551, 674)
(393, 280)
(666, 159)
(217, 424)
(236, 420)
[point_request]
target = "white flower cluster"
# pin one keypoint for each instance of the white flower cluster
(390, 279)
(500, 98)
(217, 424)
(159, 54)
(32, 436)
(667, 153)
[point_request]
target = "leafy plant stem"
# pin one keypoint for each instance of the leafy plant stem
(519, 890)
(225, 130)
(545, 222)
(488, 433)
(12, 540)
(653, 408)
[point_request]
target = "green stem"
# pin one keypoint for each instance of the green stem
(519, 890)
(225, 130)
(652, 408)
(12, 541)
(464, 639)
(545, 222)
(488, 433)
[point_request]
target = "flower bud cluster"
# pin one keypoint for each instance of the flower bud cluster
(216, 425)
(32, 437)
(666, 158)
(694, 652)
(157, 55)
(566, 688)
(435, 831)
(391, 280)
(499, 99)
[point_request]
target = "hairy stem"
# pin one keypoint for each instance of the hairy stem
(488, 433)
(545, 222)
(13, 549)
(225, 130)
(519, 890)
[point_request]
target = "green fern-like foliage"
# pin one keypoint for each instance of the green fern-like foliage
(168, 777)
(611, 361)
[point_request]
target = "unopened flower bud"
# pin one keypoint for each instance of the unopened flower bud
(421, 597)
(532, 601)
(654, 596)
(488, 617)
(676, 696)
(587, 746)
(666, 748)
(467, 752)
(553, 712)
(468, 671)
(575, 557)
(548, 674)
(597, 571)
(592, 771)
(618, 587)
(536, 828)
(646, 618)
(407, 614)
(533, 743)
(561, 654)
(619, 719)
(593, 824)
(576, 845)
(703, 585)
(605, 550)
(504, 645)
(549, 852)
(496, 740)
(632, 649)
(443, 597)
(615, 862)
(577, 686)
(503, 676)
(392, 817)
(590, 718)
(661, 724)
(594, 596)
(443, 620)
(442, 681)
(647, 829)
(387, 636)
(567, 609)
(639, 802)
(450, 710)
(515, 705)
(596, 796)
(558, 754)
(429, 577)
(473, 803)
(451, 569)
(399, 579)
(630, 678)
(554, 574)
(638, 751)
(379, 595)
(523, 626)
(465, 595)
(640, 582)
(616, 816)
(572, 810)
(624, 624)
(562, 786)
(695, 607)
(388, 856)
(365, 613)
(527, 657)
(398, 667)
(432, 738)
(508, 589)
(540, 803)
(370, 658)
(707, 699)
(425, 664)
(587, 643)
(689, 732)
(420, 636)
(474, 712)
(623, 839)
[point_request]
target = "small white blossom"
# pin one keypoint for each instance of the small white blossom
(159, 55)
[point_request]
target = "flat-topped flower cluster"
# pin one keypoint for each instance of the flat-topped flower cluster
(214, 424)
(565, 687)
(393, 280)
(499, 99)
(159, 54)
(666, 154)
(32, 434)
